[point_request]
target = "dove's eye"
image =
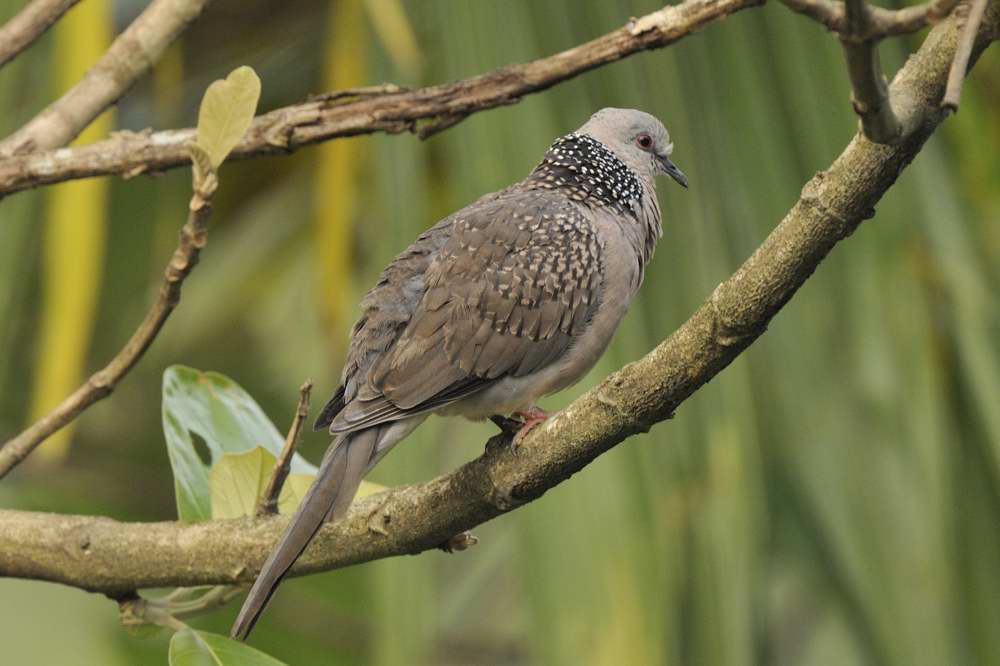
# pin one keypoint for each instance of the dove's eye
(644, 141)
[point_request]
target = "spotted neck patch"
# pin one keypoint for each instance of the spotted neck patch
(587, 171)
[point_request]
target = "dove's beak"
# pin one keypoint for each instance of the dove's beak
(670, 169)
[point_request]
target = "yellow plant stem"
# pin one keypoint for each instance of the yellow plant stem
(74, 237)
(338, 168)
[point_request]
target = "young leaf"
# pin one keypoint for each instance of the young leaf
(217, 411)
(369, 488)
(226, 111)
(239, 480)
(201, 162)
(201, 648)
(296, 486)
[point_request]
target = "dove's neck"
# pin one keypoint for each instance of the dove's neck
(585, 170)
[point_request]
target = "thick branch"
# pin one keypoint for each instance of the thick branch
(193, 237)
(29, 24)
(287, 129)
(104, 555)
(129, 57)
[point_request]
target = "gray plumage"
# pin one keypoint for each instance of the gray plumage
(511, 298)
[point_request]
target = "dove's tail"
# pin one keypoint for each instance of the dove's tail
(345, 463)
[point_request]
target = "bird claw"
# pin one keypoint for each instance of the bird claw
(518, 428)
(532, 417)
(508, 431)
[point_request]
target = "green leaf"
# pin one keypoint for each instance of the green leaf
(201, 648)
(226, 111)
(238, 481)
(215, 409)
(368, 488)
(295, 488)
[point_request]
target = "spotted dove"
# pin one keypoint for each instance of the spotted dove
(511, 298)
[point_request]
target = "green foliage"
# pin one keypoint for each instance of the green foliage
(242, 442)
(226, 111)
(238, 481)
(215, 408)
(201, 162)
(227, 420)
(201, 648)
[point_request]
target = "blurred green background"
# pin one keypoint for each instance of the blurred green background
(831, 498)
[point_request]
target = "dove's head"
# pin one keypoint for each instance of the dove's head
(637, 139)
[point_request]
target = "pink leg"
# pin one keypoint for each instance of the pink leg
(531, 416)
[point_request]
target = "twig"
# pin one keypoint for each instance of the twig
(130, 56)
(29, 24)
(827, 12)
(168, 611)
(290, 128)
(269, 500)
(126, 556)
(193, 237)
(893, 22)
(883, 22)
(870, 97)
(860, 28)
(959, 66)
(362, 91)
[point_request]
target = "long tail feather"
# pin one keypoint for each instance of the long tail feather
(339, 476)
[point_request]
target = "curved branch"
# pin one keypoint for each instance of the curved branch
(130, 56)
(103, 555)
(387, 109)
(193, 236)
(870, 97)
(268, 505)
(883, 22)
(860, 27)
(970, 19)
(29, 24)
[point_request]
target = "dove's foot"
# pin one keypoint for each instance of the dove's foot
(517, 428)
(530, 417)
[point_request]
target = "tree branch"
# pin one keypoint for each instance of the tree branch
(103, 555)
(970, 20)
(861, 27)
(883, 22)
(870, 98)
(29, 24)
(388, 109)
(193, 237)
(130, 56)
(269, 500)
